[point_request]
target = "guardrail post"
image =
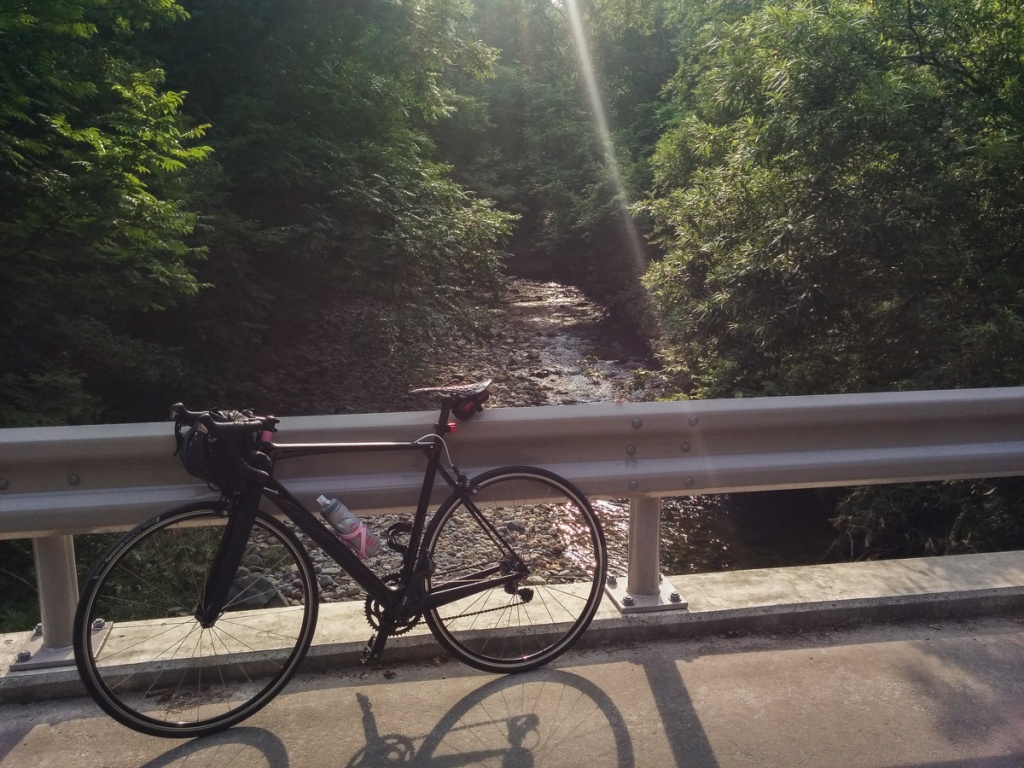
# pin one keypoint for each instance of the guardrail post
(644, 545)
(57, 580)
(645, 589)
(58, 587)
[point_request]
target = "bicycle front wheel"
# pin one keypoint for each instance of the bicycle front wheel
(145, 658)
(537, 528)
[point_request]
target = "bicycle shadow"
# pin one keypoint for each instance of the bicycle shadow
(238, 747)
(512, 722)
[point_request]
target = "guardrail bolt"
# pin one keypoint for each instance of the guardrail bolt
(637, 423)
(74, 479)
(24, 655)
(694, 421)
(630, 449)
(685, 447)
(634, 484)
(38, 631)
(4, 484)
(628, 601)
(688, 482)
(98, 624)
(612, 580)
(675, 597)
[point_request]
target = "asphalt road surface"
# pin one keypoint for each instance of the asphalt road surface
(920, 694)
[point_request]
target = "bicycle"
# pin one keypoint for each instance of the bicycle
(197, 618)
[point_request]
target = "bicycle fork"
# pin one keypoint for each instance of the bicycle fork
(241, 514)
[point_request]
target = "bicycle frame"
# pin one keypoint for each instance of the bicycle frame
(306, 521)
(410, 598)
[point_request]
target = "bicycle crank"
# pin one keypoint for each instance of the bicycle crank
(375, 615)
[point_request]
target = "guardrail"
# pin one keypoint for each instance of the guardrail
(59, 481)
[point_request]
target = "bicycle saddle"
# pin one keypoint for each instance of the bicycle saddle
(455, 390)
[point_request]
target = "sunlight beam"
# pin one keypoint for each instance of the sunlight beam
(604, 134)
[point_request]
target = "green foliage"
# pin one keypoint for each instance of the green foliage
(931, 519)
(93, 220)
(20, 609)
(325, 177)
(529, 139)
(840, 204)
(834, 192)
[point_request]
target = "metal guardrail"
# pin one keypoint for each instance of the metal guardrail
(59, 481)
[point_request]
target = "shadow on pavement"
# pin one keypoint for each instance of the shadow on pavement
(514, 722)
(238, 746)
(686, 735)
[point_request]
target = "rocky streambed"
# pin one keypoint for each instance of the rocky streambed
(546, 344)
(551, 345)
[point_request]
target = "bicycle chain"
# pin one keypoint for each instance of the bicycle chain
(373, 610)
(485, 610)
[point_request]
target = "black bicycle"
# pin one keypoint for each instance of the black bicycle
(197, 618)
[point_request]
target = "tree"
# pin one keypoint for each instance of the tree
(94, 213)
(529, 138)
(841, 206)
(326, 181)
(839, 213)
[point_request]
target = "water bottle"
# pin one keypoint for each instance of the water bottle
(350, 528)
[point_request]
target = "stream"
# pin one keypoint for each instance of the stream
(543, 343)
(553, 346)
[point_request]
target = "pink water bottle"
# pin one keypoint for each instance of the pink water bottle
(350, 528)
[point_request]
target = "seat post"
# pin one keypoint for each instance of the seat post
(442, 427)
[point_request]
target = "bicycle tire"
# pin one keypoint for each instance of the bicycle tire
(551, 526)
(151, 665)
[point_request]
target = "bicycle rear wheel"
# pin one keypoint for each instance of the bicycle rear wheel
(518, 520)
(148, 662)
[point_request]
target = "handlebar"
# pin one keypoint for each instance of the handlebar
(189, 418)
(244, 468)
(220, 429)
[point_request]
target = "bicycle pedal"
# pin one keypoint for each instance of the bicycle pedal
(374, 647)
(367, 656)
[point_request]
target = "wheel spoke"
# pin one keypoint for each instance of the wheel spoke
(155, 669)
(519, 517)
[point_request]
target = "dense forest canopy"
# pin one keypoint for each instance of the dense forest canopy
(830, 192)
(840, 200)
(317, 171)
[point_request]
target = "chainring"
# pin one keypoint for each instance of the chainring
(375, 611)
